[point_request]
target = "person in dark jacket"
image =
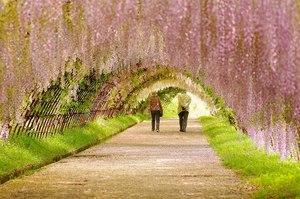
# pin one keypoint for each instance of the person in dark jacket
(156, 111)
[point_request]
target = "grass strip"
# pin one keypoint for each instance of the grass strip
(23, 153)
(273, 177)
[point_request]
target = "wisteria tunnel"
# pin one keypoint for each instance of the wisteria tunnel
(66, 62)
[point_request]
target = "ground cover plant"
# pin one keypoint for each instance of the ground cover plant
(23, 150)
(272, 177)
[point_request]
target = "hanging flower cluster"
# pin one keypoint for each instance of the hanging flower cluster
(4, 132)
(246, 50)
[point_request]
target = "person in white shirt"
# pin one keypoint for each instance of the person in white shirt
(184, 102)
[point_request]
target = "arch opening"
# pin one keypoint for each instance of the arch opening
(199, 107)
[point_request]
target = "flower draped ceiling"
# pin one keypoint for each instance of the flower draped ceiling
(246, 50)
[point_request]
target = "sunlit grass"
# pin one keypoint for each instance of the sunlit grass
(274, 178)
(197, 108)
(23, 150)
(170, 109)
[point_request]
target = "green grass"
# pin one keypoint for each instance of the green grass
(170, 109)
(197, 108)
(272, 177)
(22, 151)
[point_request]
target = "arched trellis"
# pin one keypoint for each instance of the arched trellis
(122, 98)
(77, 102)
(102, 95)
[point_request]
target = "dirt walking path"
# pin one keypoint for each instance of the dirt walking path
(136, 164)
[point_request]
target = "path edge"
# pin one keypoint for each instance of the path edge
(22, 170)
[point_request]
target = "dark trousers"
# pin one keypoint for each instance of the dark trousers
(183, 116)
(155, 119)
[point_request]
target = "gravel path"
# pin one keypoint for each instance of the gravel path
(137, 163)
